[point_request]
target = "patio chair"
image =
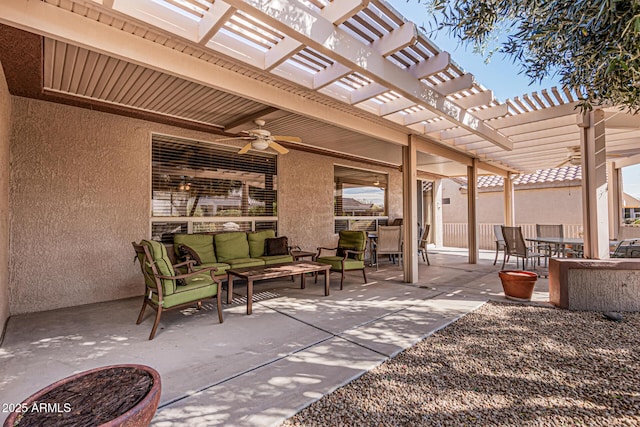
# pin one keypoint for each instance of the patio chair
(349, 255)
(389, 242)
(548, 230)
(627, 248)
(500, 245)
(516, 246)
(422, 245)
(164, 289)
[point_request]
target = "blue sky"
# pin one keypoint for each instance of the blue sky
(500, 74)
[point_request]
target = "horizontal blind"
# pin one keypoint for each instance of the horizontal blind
(358, 192)
(199, 179)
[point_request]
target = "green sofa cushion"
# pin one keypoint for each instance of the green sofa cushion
(336, 263)
(201, 243)
(276, 259)
(232, 245)
(160, 258)
(198, 287)
(256, 242)
(245, 262)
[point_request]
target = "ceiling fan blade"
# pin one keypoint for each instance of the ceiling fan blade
(279, 148)
(286, 138)
(236, 138)
(245, 149)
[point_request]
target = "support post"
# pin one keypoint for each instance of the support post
(509, 198)
(438, 226)
(472, 217)
(410, 211)
(614, 178)
(594, 185)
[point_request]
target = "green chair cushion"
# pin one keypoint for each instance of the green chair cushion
(198, 287)
(336, 263)
(353, 240)
(231, 246)
(256, 242)
(201, 243)
(160, 258)
(245, 262)
(276, 259)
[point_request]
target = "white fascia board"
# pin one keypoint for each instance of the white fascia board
(159, 16)
(213, 21)
(48, 20)
(329, 75)
(281, 52)
(475, 100)
(292, 18)
(338, 12)
(431, 66)
(396, 40)
(395, 106)
(367, 92)
(455, 85)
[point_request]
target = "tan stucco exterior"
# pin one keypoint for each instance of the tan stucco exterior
(80, 194)
(5, 125)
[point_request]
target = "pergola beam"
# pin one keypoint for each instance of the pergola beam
(338, 12)
(295, 20)
(396, 40)
(213, 21)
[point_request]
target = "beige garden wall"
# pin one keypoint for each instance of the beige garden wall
(80, 194)
(5, 125)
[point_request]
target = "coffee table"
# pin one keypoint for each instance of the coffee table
(263, 272)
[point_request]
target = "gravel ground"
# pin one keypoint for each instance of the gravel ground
(504, 364)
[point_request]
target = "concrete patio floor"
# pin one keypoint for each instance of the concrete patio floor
(257, 370)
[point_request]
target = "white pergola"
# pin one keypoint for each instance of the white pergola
(350, 77)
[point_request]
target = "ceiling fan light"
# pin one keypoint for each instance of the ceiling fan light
(260, 144)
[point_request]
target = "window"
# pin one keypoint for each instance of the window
(360, 194)
(200, 187)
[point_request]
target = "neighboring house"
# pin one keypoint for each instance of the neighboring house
(549, 196)
(631, 208)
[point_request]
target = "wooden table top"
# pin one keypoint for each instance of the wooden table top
(278, 270)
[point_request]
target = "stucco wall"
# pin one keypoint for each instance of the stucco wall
(305, 197)
(5, 124)
(80, 194)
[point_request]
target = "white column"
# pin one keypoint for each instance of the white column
(437, 227)
(594, 185)
(509, 211)
(410, 211)
(614, 179)
(472, 217)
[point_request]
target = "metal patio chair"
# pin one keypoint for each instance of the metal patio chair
(515, 246)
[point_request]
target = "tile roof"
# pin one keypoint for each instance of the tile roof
(542, 176)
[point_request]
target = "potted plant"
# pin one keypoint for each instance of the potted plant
(517, 284)
(117, 395)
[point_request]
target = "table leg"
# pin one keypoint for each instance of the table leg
(249, 296)
(229, 288)
(326, 282)
(302, 283)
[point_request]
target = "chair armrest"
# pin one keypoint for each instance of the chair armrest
(212, 270)
(320, 249)
(350, 251)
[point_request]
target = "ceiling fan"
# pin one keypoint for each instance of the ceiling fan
(574, 157)
(261, 139)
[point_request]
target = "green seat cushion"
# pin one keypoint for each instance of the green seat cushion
(245, 262)
(160, 258)
(198, 287)
(232, 245)
(336, 263)
(276, 259)
(353, 240)
(256, 242)
(201, 243)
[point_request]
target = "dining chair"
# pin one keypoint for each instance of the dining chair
(422, 245)
(516, 246)
(389, 242)
(550, 230)
(500, 245)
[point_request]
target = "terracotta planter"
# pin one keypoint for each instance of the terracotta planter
(117, 395)
(518, 285)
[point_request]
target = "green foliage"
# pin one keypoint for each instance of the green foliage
(592, 45)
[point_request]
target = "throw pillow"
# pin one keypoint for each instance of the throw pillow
(190, 253)
(341, 251)
(276, 246)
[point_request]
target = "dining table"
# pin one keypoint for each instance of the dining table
(559, 242)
